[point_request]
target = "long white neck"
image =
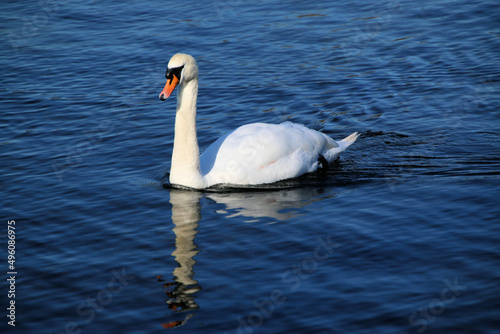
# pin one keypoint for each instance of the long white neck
(185, 169)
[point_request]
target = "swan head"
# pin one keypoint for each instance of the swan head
(181, 69)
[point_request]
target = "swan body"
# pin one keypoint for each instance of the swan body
(253, 154)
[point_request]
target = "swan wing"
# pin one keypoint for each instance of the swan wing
(261, 153)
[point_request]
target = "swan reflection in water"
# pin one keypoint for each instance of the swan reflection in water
(279, 205)
(185, 216)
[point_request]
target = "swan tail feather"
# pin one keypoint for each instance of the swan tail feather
(349, 140)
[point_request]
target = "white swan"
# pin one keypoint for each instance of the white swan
(253, 154)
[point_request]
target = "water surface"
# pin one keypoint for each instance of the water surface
(401, 235)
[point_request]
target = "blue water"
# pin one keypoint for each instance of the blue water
(401, 235)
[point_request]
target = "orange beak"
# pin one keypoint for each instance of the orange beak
(169, 88)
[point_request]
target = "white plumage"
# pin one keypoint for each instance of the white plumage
(253, 154)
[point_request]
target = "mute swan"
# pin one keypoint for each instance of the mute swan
(253, 154)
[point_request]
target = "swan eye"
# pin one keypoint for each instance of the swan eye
(169, 74)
